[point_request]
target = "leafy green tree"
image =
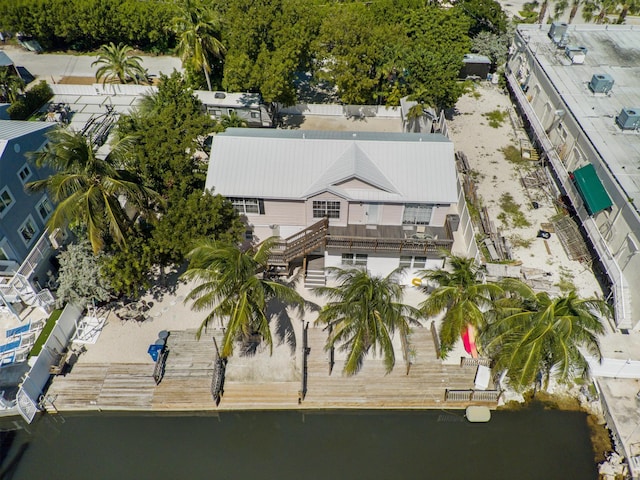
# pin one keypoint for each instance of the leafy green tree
(267, 42)
(87, 189)
(129, 271)
(232, 120)
(531, 334)
(191, 218)
(485, 16)
(364, 312)
(197, 28)
(80, 279)
(496, 47)
(461, 295)
(230, 287)
(168, 132)
(118, 65)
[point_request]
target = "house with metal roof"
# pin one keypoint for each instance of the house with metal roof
(25, 246)
(380, 200)
(577, 89)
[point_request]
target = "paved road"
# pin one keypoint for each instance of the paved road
(52, 67)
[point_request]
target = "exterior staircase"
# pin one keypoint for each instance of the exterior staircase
(300, 244)
(314, 278)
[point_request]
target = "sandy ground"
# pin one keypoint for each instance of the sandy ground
(496, 176)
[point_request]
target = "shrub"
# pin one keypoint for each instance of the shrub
(31, 101)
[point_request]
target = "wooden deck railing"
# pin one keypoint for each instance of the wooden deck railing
(317, 235)
(485, 396)
(299, 244)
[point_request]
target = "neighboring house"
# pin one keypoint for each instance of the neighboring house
(380, 200)
(248, 106)
(6, 62)
(24, 245)
(475, 66)
(578, 92)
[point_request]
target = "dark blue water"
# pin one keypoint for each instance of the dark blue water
(531, 444)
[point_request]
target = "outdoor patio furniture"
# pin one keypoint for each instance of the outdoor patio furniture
(9, 346)
(22, 354)
(27, 340)
(7, 358)
(14, 332)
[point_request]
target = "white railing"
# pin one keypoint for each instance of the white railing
(621, 301)
(40, 250)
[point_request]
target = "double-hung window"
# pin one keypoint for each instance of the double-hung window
(28, 230)
(326, 208)
(6, 200)
(244, 206)
(417, 214)
(413, 262)
(24, 173)
(355, 259)
(44, 208)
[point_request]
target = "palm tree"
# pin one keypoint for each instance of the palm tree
(232, 120)
(118, 65)
(231, 287)
(11, 85)
(574, 9)
(89, 189)
(602, 7)
(531, 335)
(363, 313)
(197, 30)
(461, 295)
(632, 6)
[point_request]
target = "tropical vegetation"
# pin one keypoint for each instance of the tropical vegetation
(88, 189)
(363, 313)
(118, 65)
(231, 288)
(532, 336)
(461, 296)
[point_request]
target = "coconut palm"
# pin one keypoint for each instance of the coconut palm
(10, 85)
(531, 334)
(197, 30)
(232, 120)
(364, 312)
(88, 190)
(627, 6)
(461, 296)
(574, 9)
(118, 65)
(598, 10)
(231, 287)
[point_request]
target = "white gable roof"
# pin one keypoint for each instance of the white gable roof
(288, 164)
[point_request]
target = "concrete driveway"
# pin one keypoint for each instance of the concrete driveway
(51, 67)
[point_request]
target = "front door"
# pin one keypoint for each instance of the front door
(372, 213)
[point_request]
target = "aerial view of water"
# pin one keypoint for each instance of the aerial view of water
(434, 444)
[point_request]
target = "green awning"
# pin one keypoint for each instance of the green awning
(591, 189)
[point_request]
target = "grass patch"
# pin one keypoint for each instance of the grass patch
(511, 215)
(513, 155)
(496, 117)
(46, 331)
(518, 241)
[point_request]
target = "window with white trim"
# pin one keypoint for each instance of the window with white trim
(6, 200)
(24, 173)
(326, 208)
(417, 214)
(244, 206)
(28, 231)
(413, 262)
(44, 208)
(355, 259)
(255, 114)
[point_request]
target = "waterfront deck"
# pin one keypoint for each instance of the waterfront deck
(260, 381)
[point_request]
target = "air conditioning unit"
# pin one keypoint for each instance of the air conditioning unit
(557, 30)
(629, 119)
(576, 54)
(601, 83)
(57, 238)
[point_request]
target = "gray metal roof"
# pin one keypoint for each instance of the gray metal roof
(612, 50)
(286, 164)
(12, 129)
(5, 61)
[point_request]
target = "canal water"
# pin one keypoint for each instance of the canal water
(436, 444)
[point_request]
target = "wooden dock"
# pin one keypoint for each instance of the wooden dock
(186, 385)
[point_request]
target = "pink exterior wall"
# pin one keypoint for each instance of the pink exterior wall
(391, 214)
(344, 214)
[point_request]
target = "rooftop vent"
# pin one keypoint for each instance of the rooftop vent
(557, 30)
(219, 95)
(576, 54)
(601, 83)
(629, 119)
